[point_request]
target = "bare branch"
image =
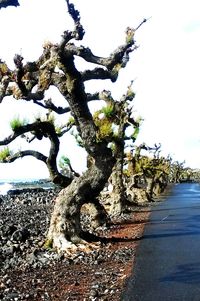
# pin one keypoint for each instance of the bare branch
(65, 129)
(3, 87)
(117, 60)
(143, 21)
(94, 96)
(97, 73)
(78, 32)
(25, 153)
(40, 129)
(48, 104)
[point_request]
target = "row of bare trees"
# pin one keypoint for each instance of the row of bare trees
(118, 176)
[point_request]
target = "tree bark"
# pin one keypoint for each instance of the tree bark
(65, 229)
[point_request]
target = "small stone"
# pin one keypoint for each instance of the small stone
(8, 281)
(93, 293)
(27, 296)
(9, 229)
(20, 234)
(9, 250)
(13, 296)
(2, 285)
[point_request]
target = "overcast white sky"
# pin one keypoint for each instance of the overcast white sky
(165, 67)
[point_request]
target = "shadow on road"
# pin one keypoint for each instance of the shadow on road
(185, 273)
(164, 235)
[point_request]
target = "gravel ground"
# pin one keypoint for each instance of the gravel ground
(30, 272)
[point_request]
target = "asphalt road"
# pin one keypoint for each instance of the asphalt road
(167, 264)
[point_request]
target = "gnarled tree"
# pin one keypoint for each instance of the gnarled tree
(147, 176)
(57, 67)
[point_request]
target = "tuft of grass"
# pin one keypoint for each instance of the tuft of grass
(64, 162)
(48, 244)
(16, 123)
(58, 130)
(51, 118)
(71, 120)
(108, 111)
(4, 153)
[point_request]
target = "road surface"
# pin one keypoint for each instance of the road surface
(167, 264)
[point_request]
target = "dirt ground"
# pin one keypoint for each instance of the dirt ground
(101, 278)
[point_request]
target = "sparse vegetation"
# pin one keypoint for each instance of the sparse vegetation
(4, 154)
(17, 123)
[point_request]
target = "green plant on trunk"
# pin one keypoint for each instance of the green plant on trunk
(51, 118)
(108, 111)
(16, 123)
(4, 154)
(64, 162)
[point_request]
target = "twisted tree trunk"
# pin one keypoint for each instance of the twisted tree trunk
(65, 229)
